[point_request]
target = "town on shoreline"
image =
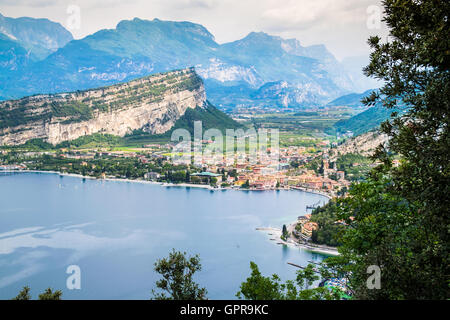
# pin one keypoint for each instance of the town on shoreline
(293, 240)
(298, 168)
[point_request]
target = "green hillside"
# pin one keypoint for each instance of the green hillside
(364, 121)
(210, 117)
(351, 100)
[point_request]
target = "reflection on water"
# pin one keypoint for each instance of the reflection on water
(115, 231)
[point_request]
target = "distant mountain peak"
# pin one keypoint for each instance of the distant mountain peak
(40, 36)
(290, 46)
(234, 71)
(166, 26)
(260, 36)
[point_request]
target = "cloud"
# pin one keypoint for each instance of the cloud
(22, 274)
(340, 25)
(180, 8)
(34, 246)
(198, 3)
(104, 4)
(283, 15)
(294, 14)
(29, 3)
(25, 266)
(73, 237)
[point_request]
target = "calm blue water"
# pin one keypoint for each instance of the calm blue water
(115, 231)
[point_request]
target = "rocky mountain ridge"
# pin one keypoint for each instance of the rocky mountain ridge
(152, 103)
(258, 70)
(39, 37)
(364, 144)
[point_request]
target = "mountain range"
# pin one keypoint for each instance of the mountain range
(364, 121)
(30, 39)
(39, 56)
(150, 105)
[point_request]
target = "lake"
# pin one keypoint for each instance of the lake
(115, 231)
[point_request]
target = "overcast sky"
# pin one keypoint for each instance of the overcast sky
(342, 25)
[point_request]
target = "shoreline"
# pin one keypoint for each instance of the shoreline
(76, 175)
(170, 184)
(275, 235)
(275, 231)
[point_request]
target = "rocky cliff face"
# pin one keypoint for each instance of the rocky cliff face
(152, 103)
(364, 144)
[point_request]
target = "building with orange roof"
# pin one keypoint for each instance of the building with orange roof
(309, 227)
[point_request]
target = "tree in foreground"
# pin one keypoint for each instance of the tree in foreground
(177, 282)
(259, 287)
(410, 236)
(400, 215)
(24, 294)
(398, 220)
(48, 294)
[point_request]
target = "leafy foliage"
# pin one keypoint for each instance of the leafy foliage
(48, 294)
(387, 231)
(329, 230)
(401, 215)
(398, 218)
(364, 121)
(177, 281)
(415, 66)
(210, 117)
(259, 287)
(93, 140)
(24, 294)
(355, 166)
